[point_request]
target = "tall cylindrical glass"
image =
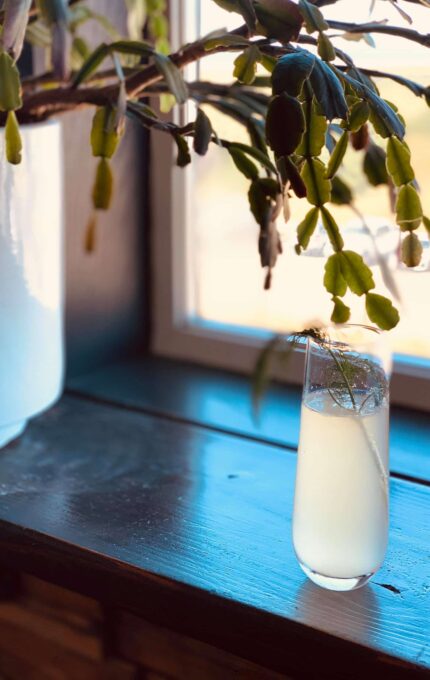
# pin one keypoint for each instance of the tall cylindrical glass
(340, 521)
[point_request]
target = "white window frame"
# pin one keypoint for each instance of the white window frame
(176, 332)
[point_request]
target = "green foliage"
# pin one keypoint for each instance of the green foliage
(332, 229)
(291, 71)
(10, 86)
(399, 162)
(341, 312)
(334, 280)
(412, 250)
(318, 187)
(312, 16)
(409, 210)
(243, 163)
(104, 136)
(337, 155)
(13, 139)
(285, 124)
(245, 65)
(374, 165)
(307, 227)
(202, 133)
(357, 274)
(102, 190)
(381, 311)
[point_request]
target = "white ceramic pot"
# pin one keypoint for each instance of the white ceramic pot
(31, 278)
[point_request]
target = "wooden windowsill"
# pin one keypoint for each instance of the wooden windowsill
(188, 526)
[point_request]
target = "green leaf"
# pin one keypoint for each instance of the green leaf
(325, 48)
(412, 250)
(10, 84)
(247, 10)
(280, 20)
(102, 189)
(332, 230)
(269, 63)
(202, 133)
(374, 165)
(285, 124)
(381, 311)
(172, 76)
(337, 156)
(358, 115)
(290, 173)
(104, 50)
(426, 223)
(262, 194)
(258, 155)
(184, 156)
(317, 186)
(328, 91)
(341, 312)
(313, 17)
(225, 40)
(399, 162)
(13, 139)
(409, 211)
(334, 280)
(245, 65)
(307, 227)
(291, 71)
(104, 137)
(243, 163)
(341, 193)
(356, 272)
(315, 133)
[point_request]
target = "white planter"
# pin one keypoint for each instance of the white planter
(31, 278)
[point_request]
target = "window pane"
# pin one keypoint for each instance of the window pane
(225, 264)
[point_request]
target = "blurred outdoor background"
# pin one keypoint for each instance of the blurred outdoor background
(226, 272)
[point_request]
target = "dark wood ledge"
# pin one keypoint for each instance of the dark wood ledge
(189, 528)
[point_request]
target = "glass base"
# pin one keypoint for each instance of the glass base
(333, 583)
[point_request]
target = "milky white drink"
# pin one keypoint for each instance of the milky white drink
(340, 524)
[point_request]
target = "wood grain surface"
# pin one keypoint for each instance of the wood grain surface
(190, 529)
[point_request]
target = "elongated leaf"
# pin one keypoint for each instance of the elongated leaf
(291, 71)
(15, 19)
(313, 17)
(202, 133)
(315, 133)
(104, 136)
(356, 272)
(91, 65)
(374, 165)
(325, 48)
(341, 193)
(337, 156)
(261, 372)
(328, 91)
(409, 211)
(317, 186)
(102, 190)
(426, 223)
(184, 156)
(385, 113)
(247, 10)
(341, 312)
(225, 40)
(258, 155)
(90, 234)
(245, 65)
(412, 250)
(13, 139)
(243, 163)
(332, 230)
(10, 85)
(285, 124)
(262, 194)
(172, 76)
(399, 162)
(290, 173)
(358, 115)
(280, 20)
(334, 280)
(307, 227)
(381, 311)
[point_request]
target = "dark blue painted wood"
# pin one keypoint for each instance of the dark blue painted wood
(191, 528)
(221, 400)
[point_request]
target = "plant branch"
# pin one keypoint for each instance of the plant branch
(399, 31)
